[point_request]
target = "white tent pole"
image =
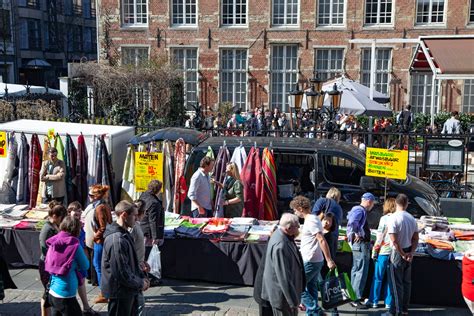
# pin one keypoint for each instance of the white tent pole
(372, 70)
(433, 87)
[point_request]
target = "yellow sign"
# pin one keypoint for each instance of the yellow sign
(3, 144)
(51, 133)
(386, 163)
(148, 166)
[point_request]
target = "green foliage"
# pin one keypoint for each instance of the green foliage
(226, 109)
(467, 119)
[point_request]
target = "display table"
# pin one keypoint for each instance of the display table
(434, 282)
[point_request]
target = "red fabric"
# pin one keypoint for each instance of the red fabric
(467, 278)
(36, 158)
(182, 189)
(252, 180)
(179, 162)
(463, 235)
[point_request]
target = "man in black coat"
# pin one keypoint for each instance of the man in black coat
(153, 222)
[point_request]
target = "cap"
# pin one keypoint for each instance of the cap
(368, 196)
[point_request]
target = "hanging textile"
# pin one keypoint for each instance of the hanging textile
(58, 144)
(70, 160)
(252, 179)
(22, 191)
(223, 157)
(94, 151)
(168, 174)
(11, 177)
(210, 153)
(128, 176)
(36, 158)
(81, 171)
(180, 188)
(46, 145)
(269, 185)
(104, 169)
(239, 156)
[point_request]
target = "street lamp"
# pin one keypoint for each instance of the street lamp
(315, 96)
(296, 100)
(336, 97)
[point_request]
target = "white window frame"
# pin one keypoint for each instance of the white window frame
(470, 14)
(378, 70)
(426, 94)
(134, 4)
(430, 14)
(468, 107)
(234, 81)
(289, 76)
(331, 15)
(330, 70)
(136, 48)
(378, 14)
(233, 17)
(185, 71)
(286, 14)
(183, 4)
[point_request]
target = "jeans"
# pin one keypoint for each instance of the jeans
(140, 304)
(360, 266)
(195, 213)
(381, 265)
(97, 260)
(400, 282)
(309, 297)
(123, 306)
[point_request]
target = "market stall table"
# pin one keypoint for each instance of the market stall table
(434, 282)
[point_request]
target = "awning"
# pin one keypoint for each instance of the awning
(448, 57)
(38, 63)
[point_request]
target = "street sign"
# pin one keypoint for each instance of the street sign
(386, 163)
(148, 166)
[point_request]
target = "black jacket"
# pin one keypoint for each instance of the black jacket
(121, 274)
(153, 222)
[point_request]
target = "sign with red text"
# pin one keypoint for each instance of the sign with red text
(386, 163)
(148, 166)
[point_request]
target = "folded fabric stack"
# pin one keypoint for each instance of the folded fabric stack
(216, 225)
(37, 214)
(8, 222)
(17, 212)
(260, 233)
(170, 224)
(244, 221)
(436, 223)
(235, 233)
(26, 225)
(189, 230)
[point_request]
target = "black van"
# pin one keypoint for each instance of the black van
(312, 166)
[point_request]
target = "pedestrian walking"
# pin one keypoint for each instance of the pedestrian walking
(313, 247)
(153, 222)
(64, 260)
(139, 243)
(381, 256)
(358, 234)
(200, 189)
(122, 279)
(403, 232)
(283, 276)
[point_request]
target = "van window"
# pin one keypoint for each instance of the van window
(338, 169)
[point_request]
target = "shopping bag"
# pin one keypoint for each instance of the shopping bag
(154, 261)
(336, 290)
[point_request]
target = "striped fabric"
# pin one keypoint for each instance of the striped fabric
(34, 169)
(179, 163)
(252, 179)
(223, 157)
(269, 185)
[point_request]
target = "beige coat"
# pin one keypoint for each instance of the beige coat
(57, 178)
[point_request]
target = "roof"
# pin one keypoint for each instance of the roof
(285, 143)
(449, 57)
(190, 136)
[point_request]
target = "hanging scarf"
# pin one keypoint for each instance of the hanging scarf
(81, 171)
(252, 181)
(219, 175)
(46, 145)
(94, 150)
(22, 191)
(12, 156)
(58, 144)
(168, 176)
(104, 169)
(70, 160)
(210, 154)
(239, 156)
(179, 161)
(34, 169)
(128, 175)
(269, 185)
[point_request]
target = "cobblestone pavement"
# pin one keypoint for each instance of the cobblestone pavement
(178, 298)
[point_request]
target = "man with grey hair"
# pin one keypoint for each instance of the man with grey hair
(283, 275)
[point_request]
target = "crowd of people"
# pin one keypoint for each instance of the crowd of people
(287, 279)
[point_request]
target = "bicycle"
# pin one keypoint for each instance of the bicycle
(452, 187)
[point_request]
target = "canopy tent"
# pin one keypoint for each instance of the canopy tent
(447, 58)
(38, 63)
(356, 98)
(190, 136)
(17, 90)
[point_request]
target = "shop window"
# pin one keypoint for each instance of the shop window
(337, 169)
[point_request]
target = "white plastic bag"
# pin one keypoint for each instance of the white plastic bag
(154, 260)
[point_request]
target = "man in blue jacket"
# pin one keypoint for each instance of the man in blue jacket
(358, 234)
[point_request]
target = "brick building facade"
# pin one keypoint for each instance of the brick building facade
(251, 52)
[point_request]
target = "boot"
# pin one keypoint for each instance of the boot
(100, 299)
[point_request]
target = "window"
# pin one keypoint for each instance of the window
(331, 12)
(184, 13)
(429, 11)
(234, 12)
(378, 12)
(134, 12)
(5, 25)
(234, 77)
(382, 68)
(68, 7)
(420, 99)
(341, 170)
(30, 34)
(89, 35)
(329, 63)
(186, 59)
(134, 55)
(285, 12)
(283, 74)
(471, 12)
(86, 4)
(468, 96)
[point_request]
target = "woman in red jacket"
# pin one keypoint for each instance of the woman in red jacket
(468, 279)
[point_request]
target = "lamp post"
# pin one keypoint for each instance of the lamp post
(336, 97)
(296, 99)
(315, 96)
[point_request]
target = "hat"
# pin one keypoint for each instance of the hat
(368, 196)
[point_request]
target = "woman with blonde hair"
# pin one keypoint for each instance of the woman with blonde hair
(381, 256)
(232, 192)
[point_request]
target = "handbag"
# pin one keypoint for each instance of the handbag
(154, 260)
(336, 290)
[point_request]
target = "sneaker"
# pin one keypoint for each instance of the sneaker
(359, 305)
(369, 304)
(387, 306)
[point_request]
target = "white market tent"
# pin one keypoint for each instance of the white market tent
(20, 90)
(116, 138)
